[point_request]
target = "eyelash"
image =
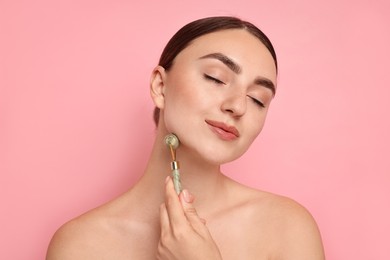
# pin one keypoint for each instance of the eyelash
(257, 102)
(215, 80)
(208, 77)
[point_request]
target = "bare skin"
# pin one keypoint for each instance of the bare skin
(215, 217)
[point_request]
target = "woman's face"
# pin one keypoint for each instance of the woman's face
(217, 94)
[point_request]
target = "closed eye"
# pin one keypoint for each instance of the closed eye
(208, 77)
(257, 102)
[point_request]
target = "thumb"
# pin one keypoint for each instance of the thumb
(186, 199)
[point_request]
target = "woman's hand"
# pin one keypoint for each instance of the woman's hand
(183, 234)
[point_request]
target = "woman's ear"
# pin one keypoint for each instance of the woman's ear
(157, 86)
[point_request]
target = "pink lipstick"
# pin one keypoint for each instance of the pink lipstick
(223, 131)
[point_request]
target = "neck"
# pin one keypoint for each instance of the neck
(202, 179)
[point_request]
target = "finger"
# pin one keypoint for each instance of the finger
(173, 206)
(164, 219)
(186, 199)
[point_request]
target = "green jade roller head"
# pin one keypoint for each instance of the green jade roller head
(172, 142)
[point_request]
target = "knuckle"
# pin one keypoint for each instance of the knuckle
(160, 251)
(161, 245)
(178, 233)
(162, 207)
(164, 238)
(191, 211)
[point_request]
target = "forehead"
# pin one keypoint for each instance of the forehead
(238, 44)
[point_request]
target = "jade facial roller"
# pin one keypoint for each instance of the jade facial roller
(172, 142)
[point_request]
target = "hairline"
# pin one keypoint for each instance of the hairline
(243, 27)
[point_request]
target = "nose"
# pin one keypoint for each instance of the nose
(235, 104)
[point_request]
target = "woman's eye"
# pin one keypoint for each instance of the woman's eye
(257, 102)
(208, 77)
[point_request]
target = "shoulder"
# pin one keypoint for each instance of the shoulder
(110, 231)
(74, 239)
(90, 235)
(284, 225)
(292, 227)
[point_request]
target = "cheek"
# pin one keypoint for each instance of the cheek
(257, 122)
(187, 92)
(183, 102)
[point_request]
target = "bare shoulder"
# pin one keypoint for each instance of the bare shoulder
(111, 231)
(277, 224)
(295, 232)
(74, 239)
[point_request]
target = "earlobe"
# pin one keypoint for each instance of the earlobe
(157, 86)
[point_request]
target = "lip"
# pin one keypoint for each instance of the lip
(224, 131)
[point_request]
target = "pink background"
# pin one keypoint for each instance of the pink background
(76, 127)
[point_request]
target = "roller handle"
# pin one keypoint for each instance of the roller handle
(176, 180)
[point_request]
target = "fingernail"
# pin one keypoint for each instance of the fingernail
(167, 179)
(187, 196)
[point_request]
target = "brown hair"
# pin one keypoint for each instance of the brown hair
(203, 26)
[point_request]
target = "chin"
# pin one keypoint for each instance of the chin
(220, 156)
(212, 151)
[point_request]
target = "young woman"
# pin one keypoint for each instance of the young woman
(212, 88)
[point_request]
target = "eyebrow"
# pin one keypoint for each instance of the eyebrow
(237, 69)
(225, 60)
(266, 83)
